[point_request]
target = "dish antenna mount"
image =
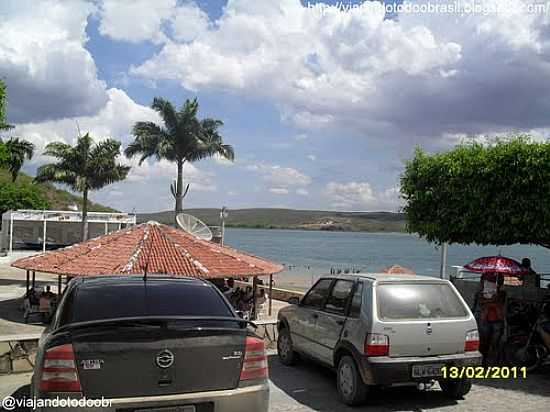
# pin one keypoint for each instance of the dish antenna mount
(194, 226)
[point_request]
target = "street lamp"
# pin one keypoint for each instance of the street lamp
(223, 215)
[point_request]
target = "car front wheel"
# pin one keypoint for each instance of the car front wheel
(455, 388)
(285, 349)
(351, 389)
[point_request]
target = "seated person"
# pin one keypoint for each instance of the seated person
(46, 300)
(32, 297)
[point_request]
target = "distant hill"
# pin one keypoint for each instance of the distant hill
(293, 219)
(58, 199)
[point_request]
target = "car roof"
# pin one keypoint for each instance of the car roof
(390, 277)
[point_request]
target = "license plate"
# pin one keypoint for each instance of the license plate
(425, 371)
(183, 408)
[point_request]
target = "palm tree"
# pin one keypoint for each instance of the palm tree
(84, 167)
(17, 150)
(182, 138)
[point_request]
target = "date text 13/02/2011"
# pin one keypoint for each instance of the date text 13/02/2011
(480, 372)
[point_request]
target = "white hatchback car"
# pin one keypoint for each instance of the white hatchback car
(381, 329)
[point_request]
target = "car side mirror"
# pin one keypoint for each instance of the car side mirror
(294, 300)
(240, 314)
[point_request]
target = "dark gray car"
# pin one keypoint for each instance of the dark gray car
(157, 344)
(380, 329)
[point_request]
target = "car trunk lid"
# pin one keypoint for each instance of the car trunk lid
(126, 360)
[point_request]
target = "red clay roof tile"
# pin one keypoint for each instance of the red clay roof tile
(151, 247)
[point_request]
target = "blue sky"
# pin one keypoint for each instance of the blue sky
(322, 105)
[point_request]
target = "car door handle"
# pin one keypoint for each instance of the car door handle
(314, 315)
(340, 322)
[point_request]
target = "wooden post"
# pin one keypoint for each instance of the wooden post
(44, 235)
(270, 294)
(11, 232)
(27, 282)
(34, 279)
(254, 300)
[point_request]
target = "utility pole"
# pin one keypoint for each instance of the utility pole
(223, 215)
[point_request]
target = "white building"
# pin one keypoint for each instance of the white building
(45, 229)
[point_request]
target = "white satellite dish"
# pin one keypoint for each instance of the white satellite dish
(194, 226)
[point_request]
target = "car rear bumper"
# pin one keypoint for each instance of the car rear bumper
(249, 398)
(385, 370)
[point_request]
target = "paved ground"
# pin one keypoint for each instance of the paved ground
(308, 387)
(12, 288)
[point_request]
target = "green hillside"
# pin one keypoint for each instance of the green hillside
(293, 219)
(56, 199)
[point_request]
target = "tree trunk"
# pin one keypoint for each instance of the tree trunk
(84, 227)
(179, 190)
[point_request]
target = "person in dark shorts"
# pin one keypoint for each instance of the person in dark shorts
(492, 303)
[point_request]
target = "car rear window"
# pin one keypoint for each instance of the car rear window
(400, 301)
(157, 299)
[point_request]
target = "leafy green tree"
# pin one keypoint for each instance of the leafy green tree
(182, 138)
(494, 193)
(4, 156)
(84, 167)
(3, 99)
(21, 196)
(17, 151)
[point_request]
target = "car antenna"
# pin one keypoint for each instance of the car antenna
(145, 271)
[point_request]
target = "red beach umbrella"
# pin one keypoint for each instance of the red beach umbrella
(497, 264)
(398, 270)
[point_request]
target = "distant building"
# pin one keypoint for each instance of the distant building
(51, 229)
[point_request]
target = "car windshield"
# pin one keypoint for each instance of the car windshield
(401, 301)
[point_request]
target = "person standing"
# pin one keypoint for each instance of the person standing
(492, 303)
(532, 278)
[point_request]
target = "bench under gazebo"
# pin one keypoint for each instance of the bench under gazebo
(149, 249)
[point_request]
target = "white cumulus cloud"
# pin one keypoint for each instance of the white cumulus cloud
(281, 176)
(414, 77)
(361, 196)
(135, 20)
(44, 62)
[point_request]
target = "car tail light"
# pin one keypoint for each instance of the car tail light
(377, 345)
(59, 372)
(471, 342)
(255, 360)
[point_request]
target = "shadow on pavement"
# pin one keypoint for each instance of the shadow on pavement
(22, 393)
(10, 309)
(315, 387)
(536, 383)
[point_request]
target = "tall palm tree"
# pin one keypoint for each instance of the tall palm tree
(17, 150)
(84, 167)
(182, 138)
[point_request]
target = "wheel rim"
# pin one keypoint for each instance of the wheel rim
(284, 346)
(346, 379)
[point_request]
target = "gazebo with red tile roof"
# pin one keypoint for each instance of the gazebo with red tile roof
(148, 249)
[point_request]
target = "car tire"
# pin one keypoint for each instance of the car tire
(455, 388)
(285, 349)
(351, 389)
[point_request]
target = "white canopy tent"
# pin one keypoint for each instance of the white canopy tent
(37, 222)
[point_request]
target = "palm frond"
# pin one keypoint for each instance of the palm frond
(167, 112)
